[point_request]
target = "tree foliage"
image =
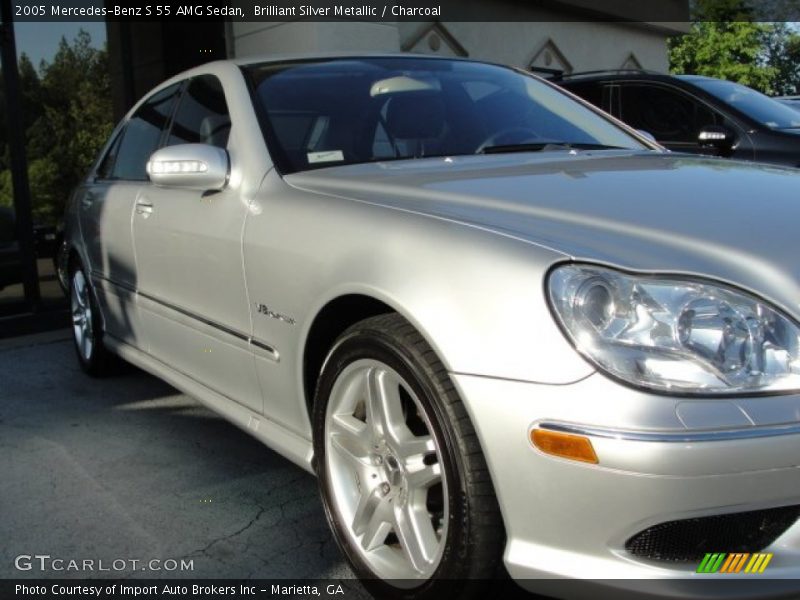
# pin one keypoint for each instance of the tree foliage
(783, 53)
(67, 116)
(727, 50)
(728, 40)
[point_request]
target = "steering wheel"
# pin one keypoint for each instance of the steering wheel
(517, 134)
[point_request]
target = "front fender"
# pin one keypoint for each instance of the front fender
(477, 296)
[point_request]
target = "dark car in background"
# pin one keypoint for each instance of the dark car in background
(793, 101)
(691, 113)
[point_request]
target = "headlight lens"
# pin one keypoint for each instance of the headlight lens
(674, 334)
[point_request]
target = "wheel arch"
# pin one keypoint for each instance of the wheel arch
(329, 323)
(73, 258)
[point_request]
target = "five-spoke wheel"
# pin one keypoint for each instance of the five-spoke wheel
(385, 471)
(87, 329)
(405, 486)
(82, 326)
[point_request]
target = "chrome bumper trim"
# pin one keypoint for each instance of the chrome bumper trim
(707, 435)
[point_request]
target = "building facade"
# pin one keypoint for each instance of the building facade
(547, 47)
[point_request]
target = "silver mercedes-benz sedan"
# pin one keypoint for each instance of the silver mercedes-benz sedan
(502, 328)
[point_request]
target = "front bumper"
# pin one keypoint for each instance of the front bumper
(666, 459)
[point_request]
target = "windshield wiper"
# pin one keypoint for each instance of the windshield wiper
(538, 146)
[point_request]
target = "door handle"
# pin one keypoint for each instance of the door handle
(144, 208)
(87, 200)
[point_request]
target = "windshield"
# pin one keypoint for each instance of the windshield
(346, 111)
(755, 105)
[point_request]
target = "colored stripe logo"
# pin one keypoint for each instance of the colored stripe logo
(738, 562)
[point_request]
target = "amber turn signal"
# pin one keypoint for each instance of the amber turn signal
(564, 445)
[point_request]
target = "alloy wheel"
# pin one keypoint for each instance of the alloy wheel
(81, 306)
(387, 480)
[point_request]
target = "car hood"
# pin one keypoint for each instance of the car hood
(650, 211)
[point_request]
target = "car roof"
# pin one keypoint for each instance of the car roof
(609, 74)
(214, 67)
(217, 67)
(698, 78)
(310, 56)
(629, 74)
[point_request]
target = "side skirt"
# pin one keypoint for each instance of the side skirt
(281, 440)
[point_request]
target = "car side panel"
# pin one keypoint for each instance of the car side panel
(104, 209)
(191, 286)
(303, 250)
(777, 147)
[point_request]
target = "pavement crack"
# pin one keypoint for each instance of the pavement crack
(204, 550)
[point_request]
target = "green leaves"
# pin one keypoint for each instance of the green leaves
(68, 117)
(763, 56)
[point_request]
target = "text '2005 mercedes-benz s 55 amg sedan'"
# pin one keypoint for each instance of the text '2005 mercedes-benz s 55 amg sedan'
(503, 329)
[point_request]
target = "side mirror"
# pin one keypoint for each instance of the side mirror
(198, 167)
(717, 138)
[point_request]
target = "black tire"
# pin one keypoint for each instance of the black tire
(471, 547)
(95, 360)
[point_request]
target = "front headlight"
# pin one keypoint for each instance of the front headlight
(676, 334)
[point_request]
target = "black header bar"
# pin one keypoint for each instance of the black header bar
(641, 11)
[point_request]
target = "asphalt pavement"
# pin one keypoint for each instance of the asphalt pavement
(129, 469)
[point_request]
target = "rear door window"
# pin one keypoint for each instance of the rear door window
(668, 114)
